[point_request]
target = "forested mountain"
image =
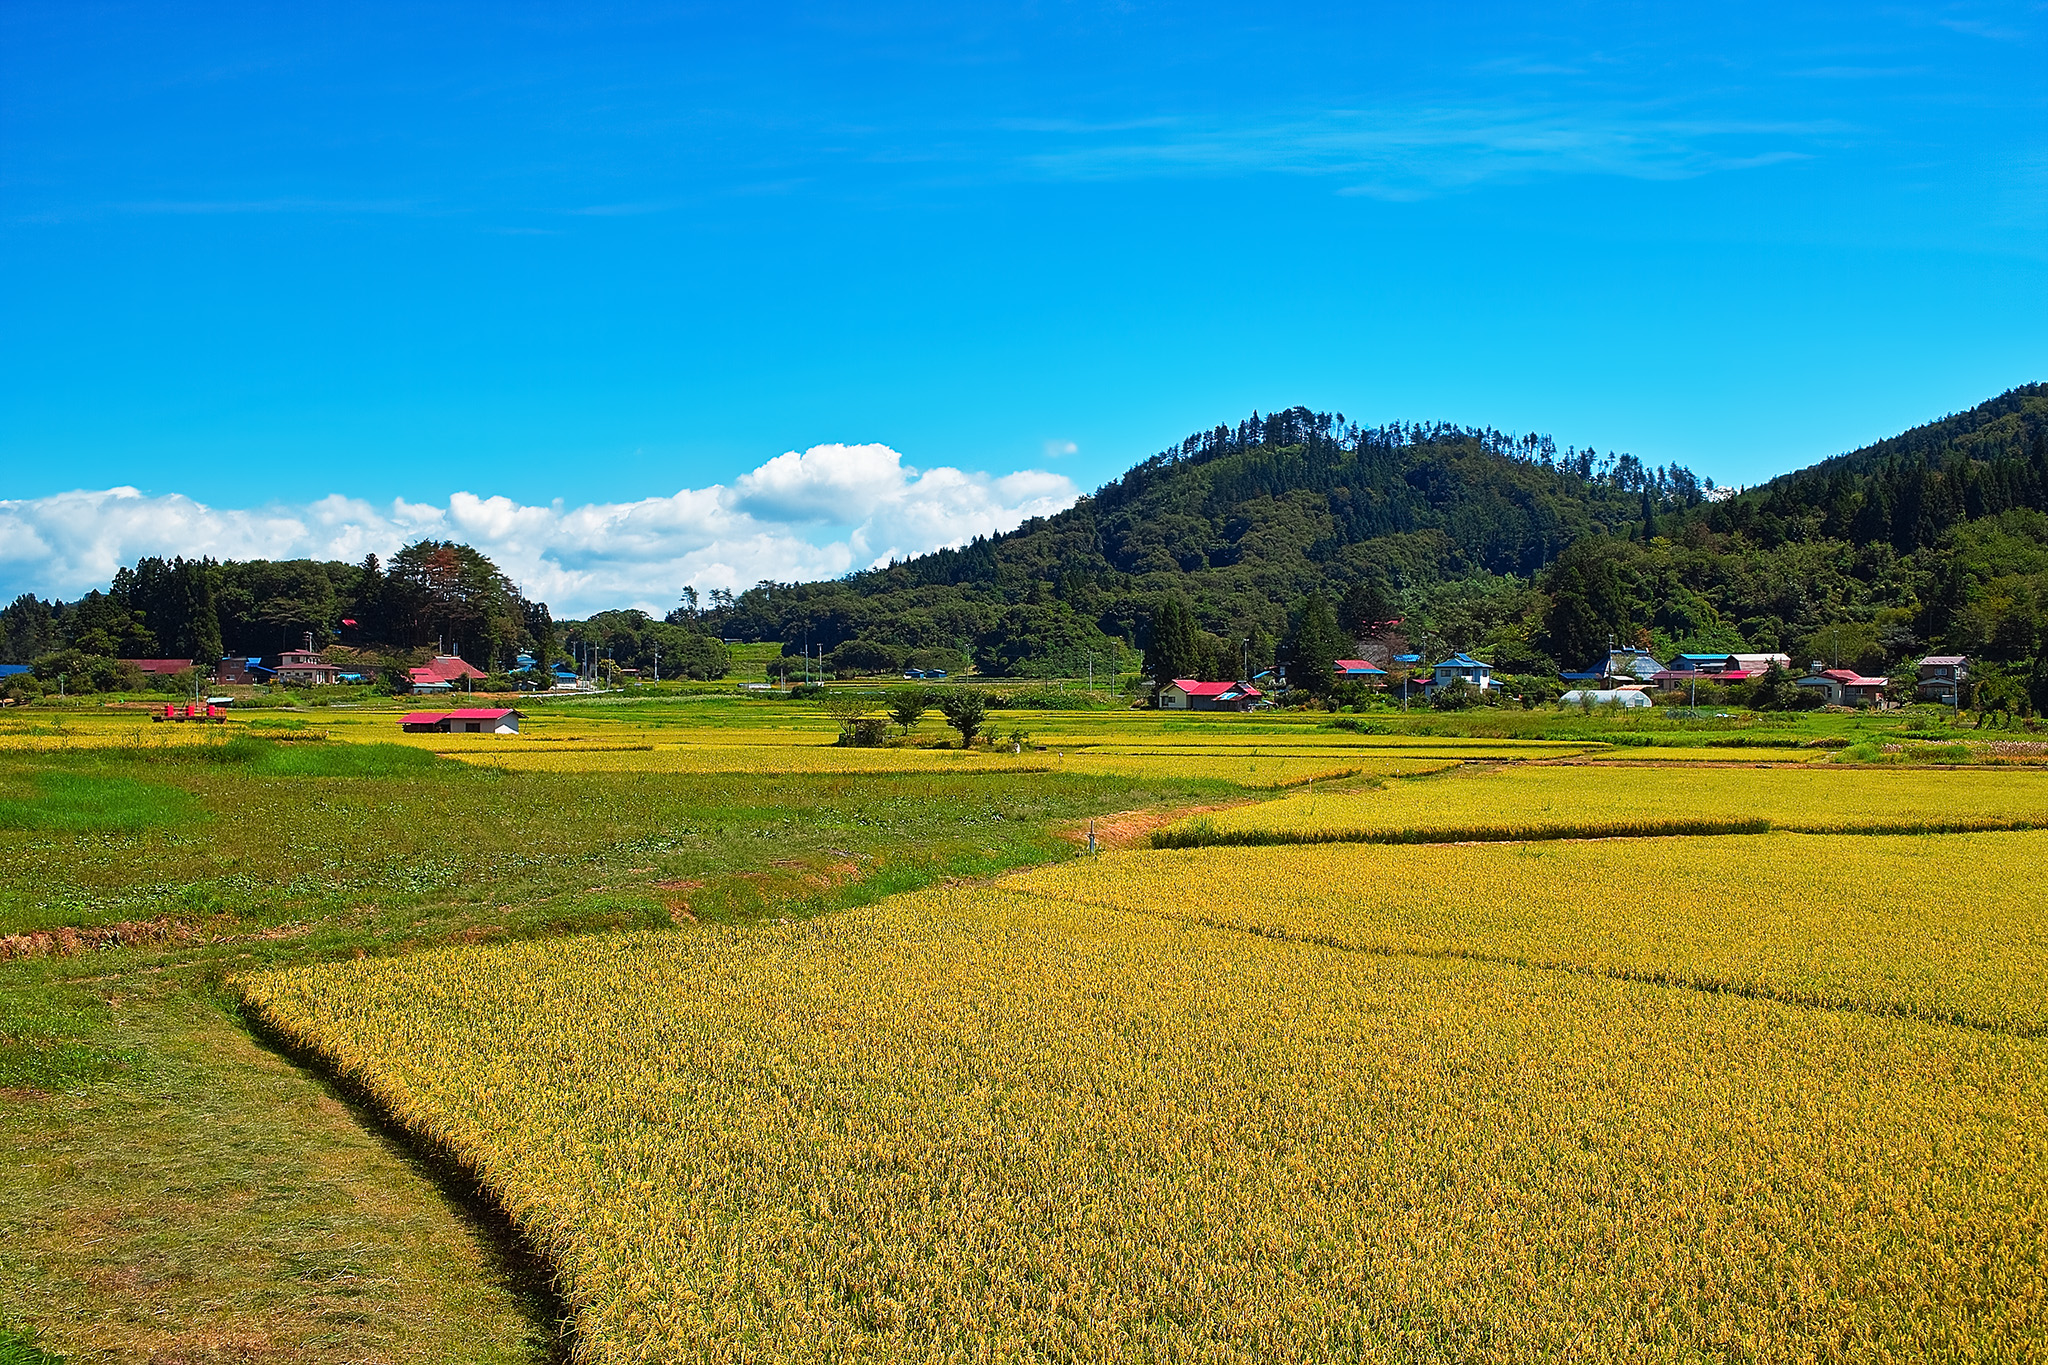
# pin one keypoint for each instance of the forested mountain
(1530, 557)
(1912, 489)
(1442, 521)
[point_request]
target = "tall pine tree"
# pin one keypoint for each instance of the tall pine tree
(1313, 646)
(1174, 648)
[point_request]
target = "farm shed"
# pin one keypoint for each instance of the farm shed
(160, 668)
(478, 721)
(1620, 696)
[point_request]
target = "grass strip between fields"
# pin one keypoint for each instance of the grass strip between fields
(1202, 832)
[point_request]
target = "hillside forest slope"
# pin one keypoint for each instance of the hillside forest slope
(1529, 556)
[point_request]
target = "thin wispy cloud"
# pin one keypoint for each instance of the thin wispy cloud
(1413, 151)
(283, 205)
(801, 516)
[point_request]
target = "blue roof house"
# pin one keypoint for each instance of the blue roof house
(1462, 667)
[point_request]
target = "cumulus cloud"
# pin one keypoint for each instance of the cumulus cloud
(815, 514)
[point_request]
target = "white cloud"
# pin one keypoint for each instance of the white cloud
(818, 514)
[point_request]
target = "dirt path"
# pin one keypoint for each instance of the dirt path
(1133, 828)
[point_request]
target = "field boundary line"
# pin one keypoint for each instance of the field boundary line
(524, 1256)
(1501, 834)
(1703, 985)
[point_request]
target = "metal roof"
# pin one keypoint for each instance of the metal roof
(1195, 688)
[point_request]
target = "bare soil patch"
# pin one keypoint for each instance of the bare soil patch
(1132, 828)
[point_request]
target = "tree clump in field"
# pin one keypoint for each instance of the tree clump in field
(859, 727)
(907, 706)
(966, 710)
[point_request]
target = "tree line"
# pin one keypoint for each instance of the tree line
(432, 597)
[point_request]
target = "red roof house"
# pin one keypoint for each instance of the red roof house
(1846, 687)
(478, 721)
(161, 668)
(442, 673)
(1188, 694)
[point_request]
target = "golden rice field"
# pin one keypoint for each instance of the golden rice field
(1748, 755)
(1950, 927)
(1538, 802)
(1244, 770)
(128, 731)
(974, 1125)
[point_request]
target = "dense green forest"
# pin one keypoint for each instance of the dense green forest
(1526, 555)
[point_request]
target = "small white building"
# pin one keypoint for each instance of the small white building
(1619, 696)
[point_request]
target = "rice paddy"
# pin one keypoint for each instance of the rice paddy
(968, 1124)
(777, 1050)
(1553, 802)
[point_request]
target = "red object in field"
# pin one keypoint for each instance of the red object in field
(212, 711)
(191, 709)
(170, 711)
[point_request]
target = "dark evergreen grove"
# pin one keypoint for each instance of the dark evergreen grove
(1207, 555)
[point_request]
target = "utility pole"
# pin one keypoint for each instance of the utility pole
(657, 663)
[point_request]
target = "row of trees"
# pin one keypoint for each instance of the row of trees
(433, 594)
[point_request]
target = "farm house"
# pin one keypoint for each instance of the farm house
(1187, 694)
(477, 721)
(443, 673)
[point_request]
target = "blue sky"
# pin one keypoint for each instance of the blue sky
(569, 257)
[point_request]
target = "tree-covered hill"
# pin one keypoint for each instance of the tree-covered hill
(1911, 489)
(1244, 521)
(1530, 556)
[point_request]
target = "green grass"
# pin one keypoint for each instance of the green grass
(209, 1202)
(86, 802)
(18, 1349)
(56, 1038)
